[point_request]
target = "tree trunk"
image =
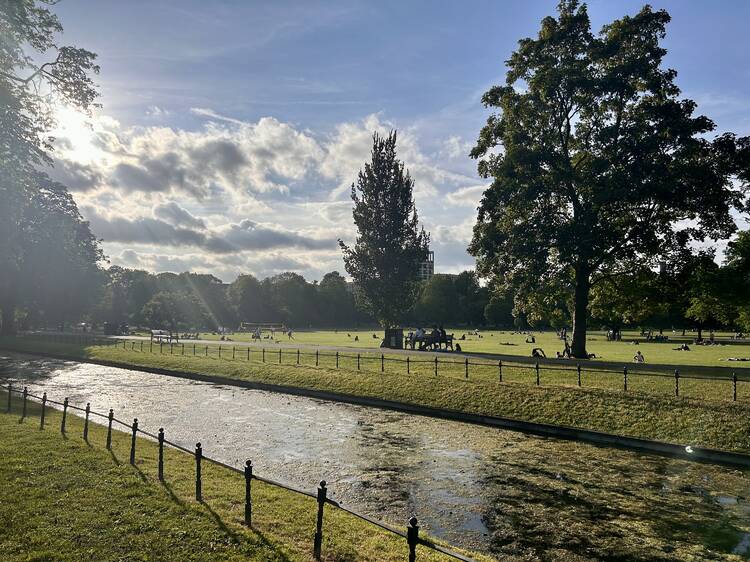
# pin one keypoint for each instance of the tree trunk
(580, 313)
(7, 317)
(700, 332)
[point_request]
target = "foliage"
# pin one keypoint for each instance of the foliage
(384, 261)
(31, 208)
(598, 166)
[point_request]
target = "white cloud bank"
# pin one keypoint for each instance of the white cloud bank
(235, 196)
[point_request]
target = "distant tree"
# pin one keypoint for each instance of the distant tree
(293, 299)
(175, 311)
(247, 297)
(626, 300)
(472, 298)
(596, 162)
(336, 305)
(36, 74)
(499, 311)
(384, 261)
(438, 301)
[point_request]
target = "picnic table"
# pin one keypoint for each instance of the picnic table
(429, 341)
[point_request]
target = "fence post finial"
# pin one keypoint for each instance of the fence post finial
(132, 441)
(198, 482)
(161, 454)
(248, 495)
(318, 545)
(412, 538)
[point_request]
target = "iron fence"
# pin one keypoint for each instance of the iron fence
(321, 495)
(726, 388)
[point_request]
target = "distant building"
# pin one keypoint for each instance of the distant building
(427, 267)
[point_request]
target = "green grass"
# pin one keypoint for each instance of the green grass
(509, 343)
(63, 499)
(697, 417)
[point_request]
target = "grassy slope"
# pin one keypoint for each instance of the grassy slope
(62, 499)
(705, 422)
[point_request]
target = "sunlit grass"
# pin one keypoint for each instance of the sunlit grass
(64, 499)
(701, 415)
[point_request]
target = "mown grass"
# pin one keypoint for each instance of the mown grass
(701, 421)
(64, 499)
(507, 342)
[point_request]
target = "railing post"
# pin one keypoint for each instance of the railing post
(132, 441)
(219, 351)
(171, 348)
(358, 361)
(316, 357)
(193, 350)
(466, 367)
(151, 346)
(500, 371)
(625, 378)
(578, 368)
(537, 372)
(412, 538)
(279, 356)
(382, 363)
(10, 395)
(298, 356)
(86, 423)
(161, 454)
(110, 417)
(264, 355)
(25, 397)
(198, 483)
(161, 346)
(337, 359)
(44, 404)
(248, 354)
(233, 350)
(183, 348)
(676, 382)
(734, 387)
(436, 366)
(141, 346)
(408, 366)
(206, 351)
(64, 416)
(319, 523)
(248, 495)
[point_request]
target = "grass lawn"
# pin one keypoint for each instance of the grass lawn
(700, 416)
(509, 343)
(63, 499)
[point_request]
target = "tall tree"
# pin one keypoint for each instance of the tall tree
(390, 245)
(36, 75)
(596, 160)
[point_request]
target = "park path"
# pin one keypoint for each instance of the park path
(743, 373)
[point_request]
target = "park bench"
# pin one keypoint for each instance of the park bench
(159, 336)
(428, 341)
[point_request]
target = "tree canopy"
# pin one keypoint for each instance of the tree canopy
(598, 166)
(38, 218)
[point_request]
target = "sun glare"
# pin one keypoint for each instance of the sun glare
(75, 135)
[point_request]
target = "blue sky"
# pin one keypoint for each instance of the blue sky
(230, 130)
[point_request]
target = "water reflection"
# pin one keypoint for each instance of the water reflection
(497, 491)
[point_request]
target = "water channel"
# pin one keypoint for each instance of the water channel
(499, 492)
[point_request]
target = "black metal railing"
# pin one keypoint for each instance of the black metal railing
(726, 388)
(321, 495)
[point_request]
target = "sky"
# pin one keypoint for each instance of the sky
(230, 132)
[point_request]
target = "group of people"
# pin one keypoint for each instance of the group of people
(434, 340)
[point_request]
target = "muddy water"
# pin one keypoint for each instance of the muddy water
(500, 492)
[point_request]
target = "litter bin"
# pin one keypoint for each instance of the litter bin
(394, 338)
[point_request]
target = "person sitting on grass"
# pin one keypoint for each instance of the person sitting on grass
(458, 348)
(638, 357)
(530, 339)
(683, 347)
(289, 334)
(538, 352)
